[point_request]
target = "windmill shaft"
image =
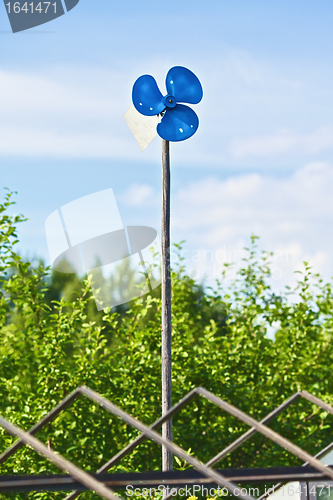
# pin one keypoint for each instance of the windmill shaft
(166, 305)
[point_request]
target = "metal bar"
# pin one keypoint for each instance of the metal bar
(68, 400)
(321, 452)
(131, 446)
(166, 306)
(78, 474)
(317, 401)
(210, 473)
(220, 455)
(154, 479)
(238, 442)
(329, 409)
(37, 427)
(266, 431)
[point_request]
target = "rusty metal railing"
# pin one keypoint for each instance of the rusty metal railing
(90, 482)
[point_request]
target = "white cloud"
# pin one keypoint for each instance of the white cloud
(139, 195)
(284, 141)
(65, 113)
(252, 109)
(54, 142)
(293, 216)
(43, 115)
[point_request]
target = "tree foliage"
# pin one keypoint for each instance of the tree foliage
(53, 340)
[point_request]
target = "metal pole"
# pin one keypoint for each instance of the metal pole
(166, 305)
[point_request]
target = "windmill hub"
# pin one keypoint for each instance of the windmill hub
(170, 101)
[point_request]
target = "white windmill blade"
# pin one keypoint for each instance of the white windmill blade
(142, 127)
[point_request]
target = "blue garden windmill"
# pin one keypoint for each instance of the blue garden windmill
(178, 122)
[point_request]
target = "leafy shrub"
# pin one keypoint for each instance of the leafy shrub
(52, 341)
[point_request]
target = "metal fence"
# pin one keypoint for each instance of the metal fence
(100, 482)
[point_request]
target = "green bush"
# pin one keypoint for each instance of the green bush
(53, 340)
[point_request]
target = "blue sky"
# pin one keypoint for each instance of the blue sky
(261, 161)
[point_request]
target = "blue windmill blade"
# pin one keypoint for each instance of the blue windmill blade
(183, 85)
(146, 96)
(178, 124)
